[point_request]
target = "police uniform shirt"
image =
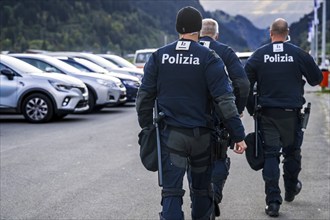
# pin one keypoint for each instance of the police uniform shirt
(278, 68)
(234, 69)
(181, 75)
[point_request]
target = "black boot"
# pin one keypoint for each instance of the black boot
(273, 209)
(289, 196)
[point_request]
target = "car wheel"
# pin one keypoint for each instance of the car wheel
(91, 102)
(37, 108)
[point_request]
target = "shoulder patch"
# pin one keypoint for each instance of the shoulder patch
(278, 47)
(182, 45)
(205, 43)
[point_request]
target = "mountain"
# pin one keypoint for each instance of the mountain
(120, 27)
(239, 32)
(233, 30)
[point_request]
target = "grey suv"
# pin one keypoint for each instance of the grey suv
(106, 64)
(39, 96)
(103, 90)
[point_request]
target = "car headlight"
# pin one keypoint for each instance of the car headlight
(106, 83)
(131, 83)
(60, 86)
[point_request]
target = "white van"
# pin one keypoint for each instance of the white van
(142, 56)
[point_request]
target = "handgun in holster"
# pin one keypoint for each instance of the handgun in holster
(221, 142)
(305, 116)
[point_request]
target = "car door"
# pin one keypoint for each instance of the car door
(8, 90)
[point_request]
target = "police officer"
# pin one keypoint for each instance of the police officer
(278, 69)
(187, 78)
(241, 85)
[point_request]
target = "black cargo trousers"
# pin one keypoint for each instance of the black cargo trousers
(281, 130)
(184, 148)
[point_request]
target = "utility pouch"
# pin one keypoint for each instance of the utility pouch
(256, 161)
(148, 148)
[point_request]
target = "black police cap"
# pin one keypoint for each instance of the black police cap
(188, 20)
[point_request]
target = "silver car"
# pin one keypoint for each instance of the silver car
(119, 61)
(131, 83)
(106, 64)
(39, 96)
(103, 90)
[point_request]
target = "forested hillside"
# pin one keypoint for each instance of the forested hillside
(82, 25)
(118, 26)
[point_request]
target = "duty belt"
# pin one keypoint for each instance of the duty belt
(192, 132)
(265, 109)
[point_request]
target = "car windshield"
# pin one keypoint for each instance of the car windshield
(120, 61)
(100, 61)
(62, 65)
(20, 66)
(90, 65)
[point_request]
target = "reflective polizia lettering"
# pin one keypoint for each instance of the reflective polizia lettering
(180, 59)
(277, 58)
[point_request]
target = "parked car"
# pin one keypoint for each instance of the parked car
(101, 62)
(103, 90)
(39, 96)
(243, 56)
(142, 56)
(119, 61)
(131, 83)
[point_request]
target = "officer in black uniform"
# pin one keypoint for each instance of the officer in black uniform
(241, 85)
(278, 69)
(187, 79)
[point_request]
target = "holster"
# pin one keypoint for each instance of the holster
(220, 143)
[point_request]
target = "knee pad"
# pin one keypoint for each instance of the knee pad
(172, 197)
(203, 193)
(172, 192)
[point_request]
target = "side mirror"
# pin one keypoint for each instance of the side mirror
(9, 73)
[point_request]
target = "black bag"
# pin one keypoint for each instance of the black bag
(256, 163)
(148, 148)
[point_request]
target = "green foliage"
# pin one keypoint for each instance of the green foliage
(78, 25)
(119, 26)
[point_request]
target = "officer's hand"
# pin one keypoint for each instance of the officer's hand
(240, 147)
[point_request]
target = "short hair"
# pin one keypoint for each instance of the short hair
(280, 27)
(210, 27)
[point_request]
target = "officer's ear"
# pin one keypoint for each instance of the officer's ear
(216, 37)
(270, 33)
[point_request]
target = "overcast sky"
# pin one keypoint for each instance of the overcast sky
(262, 12)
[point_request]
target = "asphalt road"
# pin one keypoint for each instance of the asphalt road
(88, 167)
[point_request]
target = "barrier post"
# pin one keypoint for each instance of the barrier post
(325, 81)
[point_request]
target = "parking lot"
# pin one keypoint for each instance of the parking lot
(87, 166)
